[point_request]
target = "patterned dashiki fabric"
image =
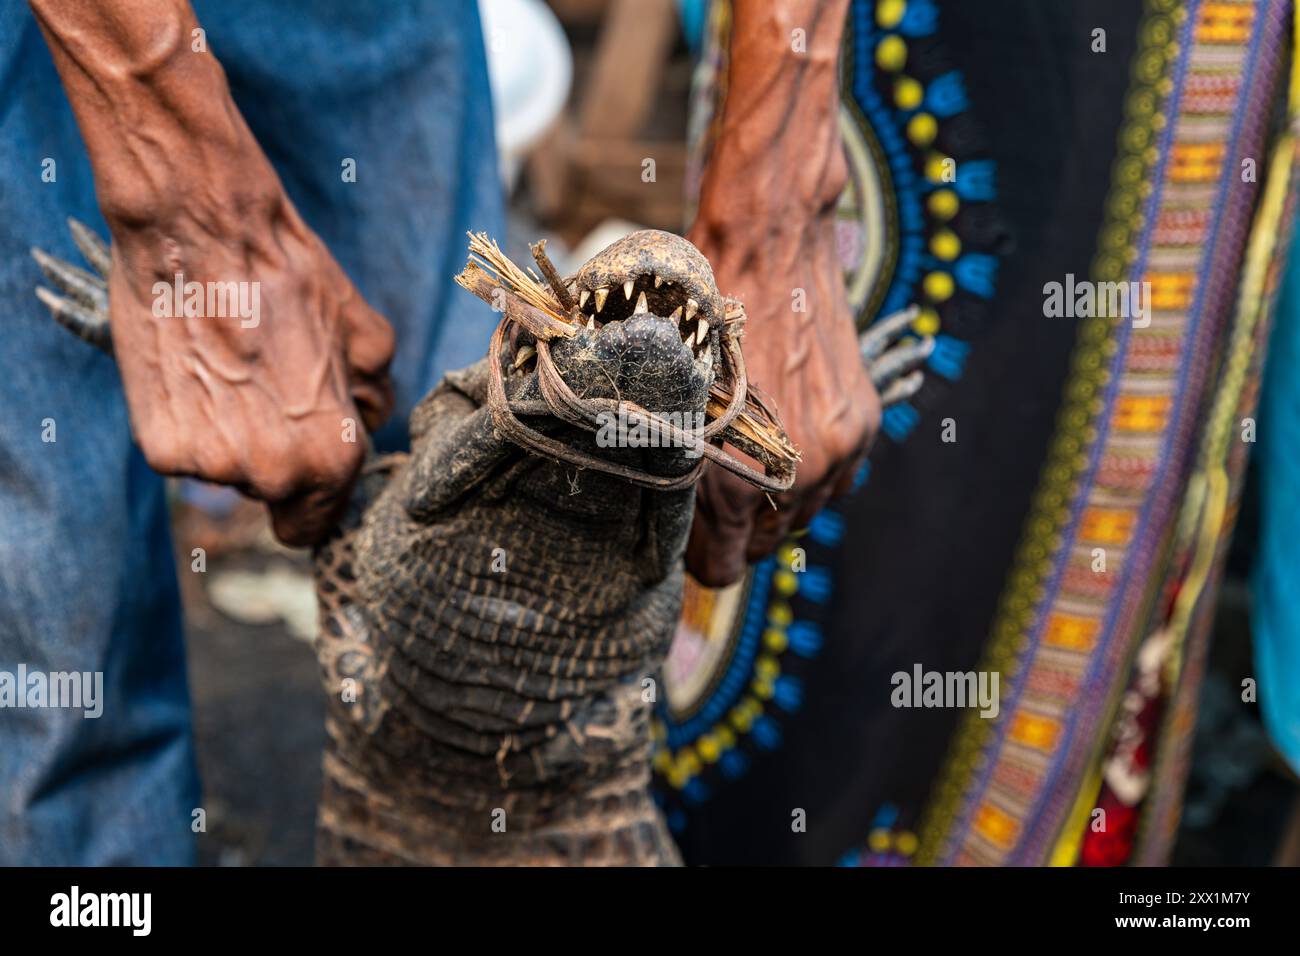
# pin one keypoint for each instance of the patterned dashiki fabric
(1055, 504)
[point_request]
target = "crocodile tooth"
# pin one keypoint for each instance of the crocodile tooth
(704, 362)
(523, 355)
(701, 332)
(628, 288)
(601, 294)
(658, 282)
(691, 308)
(591, 324)
(641, 305)
(677, 315)
(583, 296)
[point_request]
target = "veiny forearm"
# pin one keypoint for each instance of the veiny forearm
(778, 153)
(154, 112)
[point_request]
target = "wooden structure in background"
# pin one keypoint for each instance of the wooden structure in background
(591, 165)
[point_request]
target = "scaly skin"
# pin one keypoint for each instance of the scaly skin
(503, 615)
(518, 689)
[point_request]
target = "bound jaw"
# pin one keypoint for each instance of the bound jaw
(641, 360)
(646, 333)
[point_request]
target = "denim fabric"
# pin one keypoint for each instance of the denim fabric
(87, 581)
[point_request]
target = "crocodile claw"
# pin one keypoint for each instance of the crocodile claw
(83, 306)
(874, 340)
(903, 389)
(94, 249)
(894, 366)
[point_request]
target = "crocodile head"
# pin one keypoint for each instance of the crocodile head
(647, 323)
(642, 336)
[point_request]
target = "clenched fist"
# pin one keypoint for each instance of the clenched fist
(275, 403)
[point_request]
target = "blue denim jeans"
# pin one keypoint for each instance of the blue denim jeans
(87, 580)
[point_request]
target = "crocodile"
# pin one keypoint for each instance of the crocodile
(496, 603)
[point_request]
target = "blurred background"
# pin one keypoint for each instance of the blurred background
(601, 85)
